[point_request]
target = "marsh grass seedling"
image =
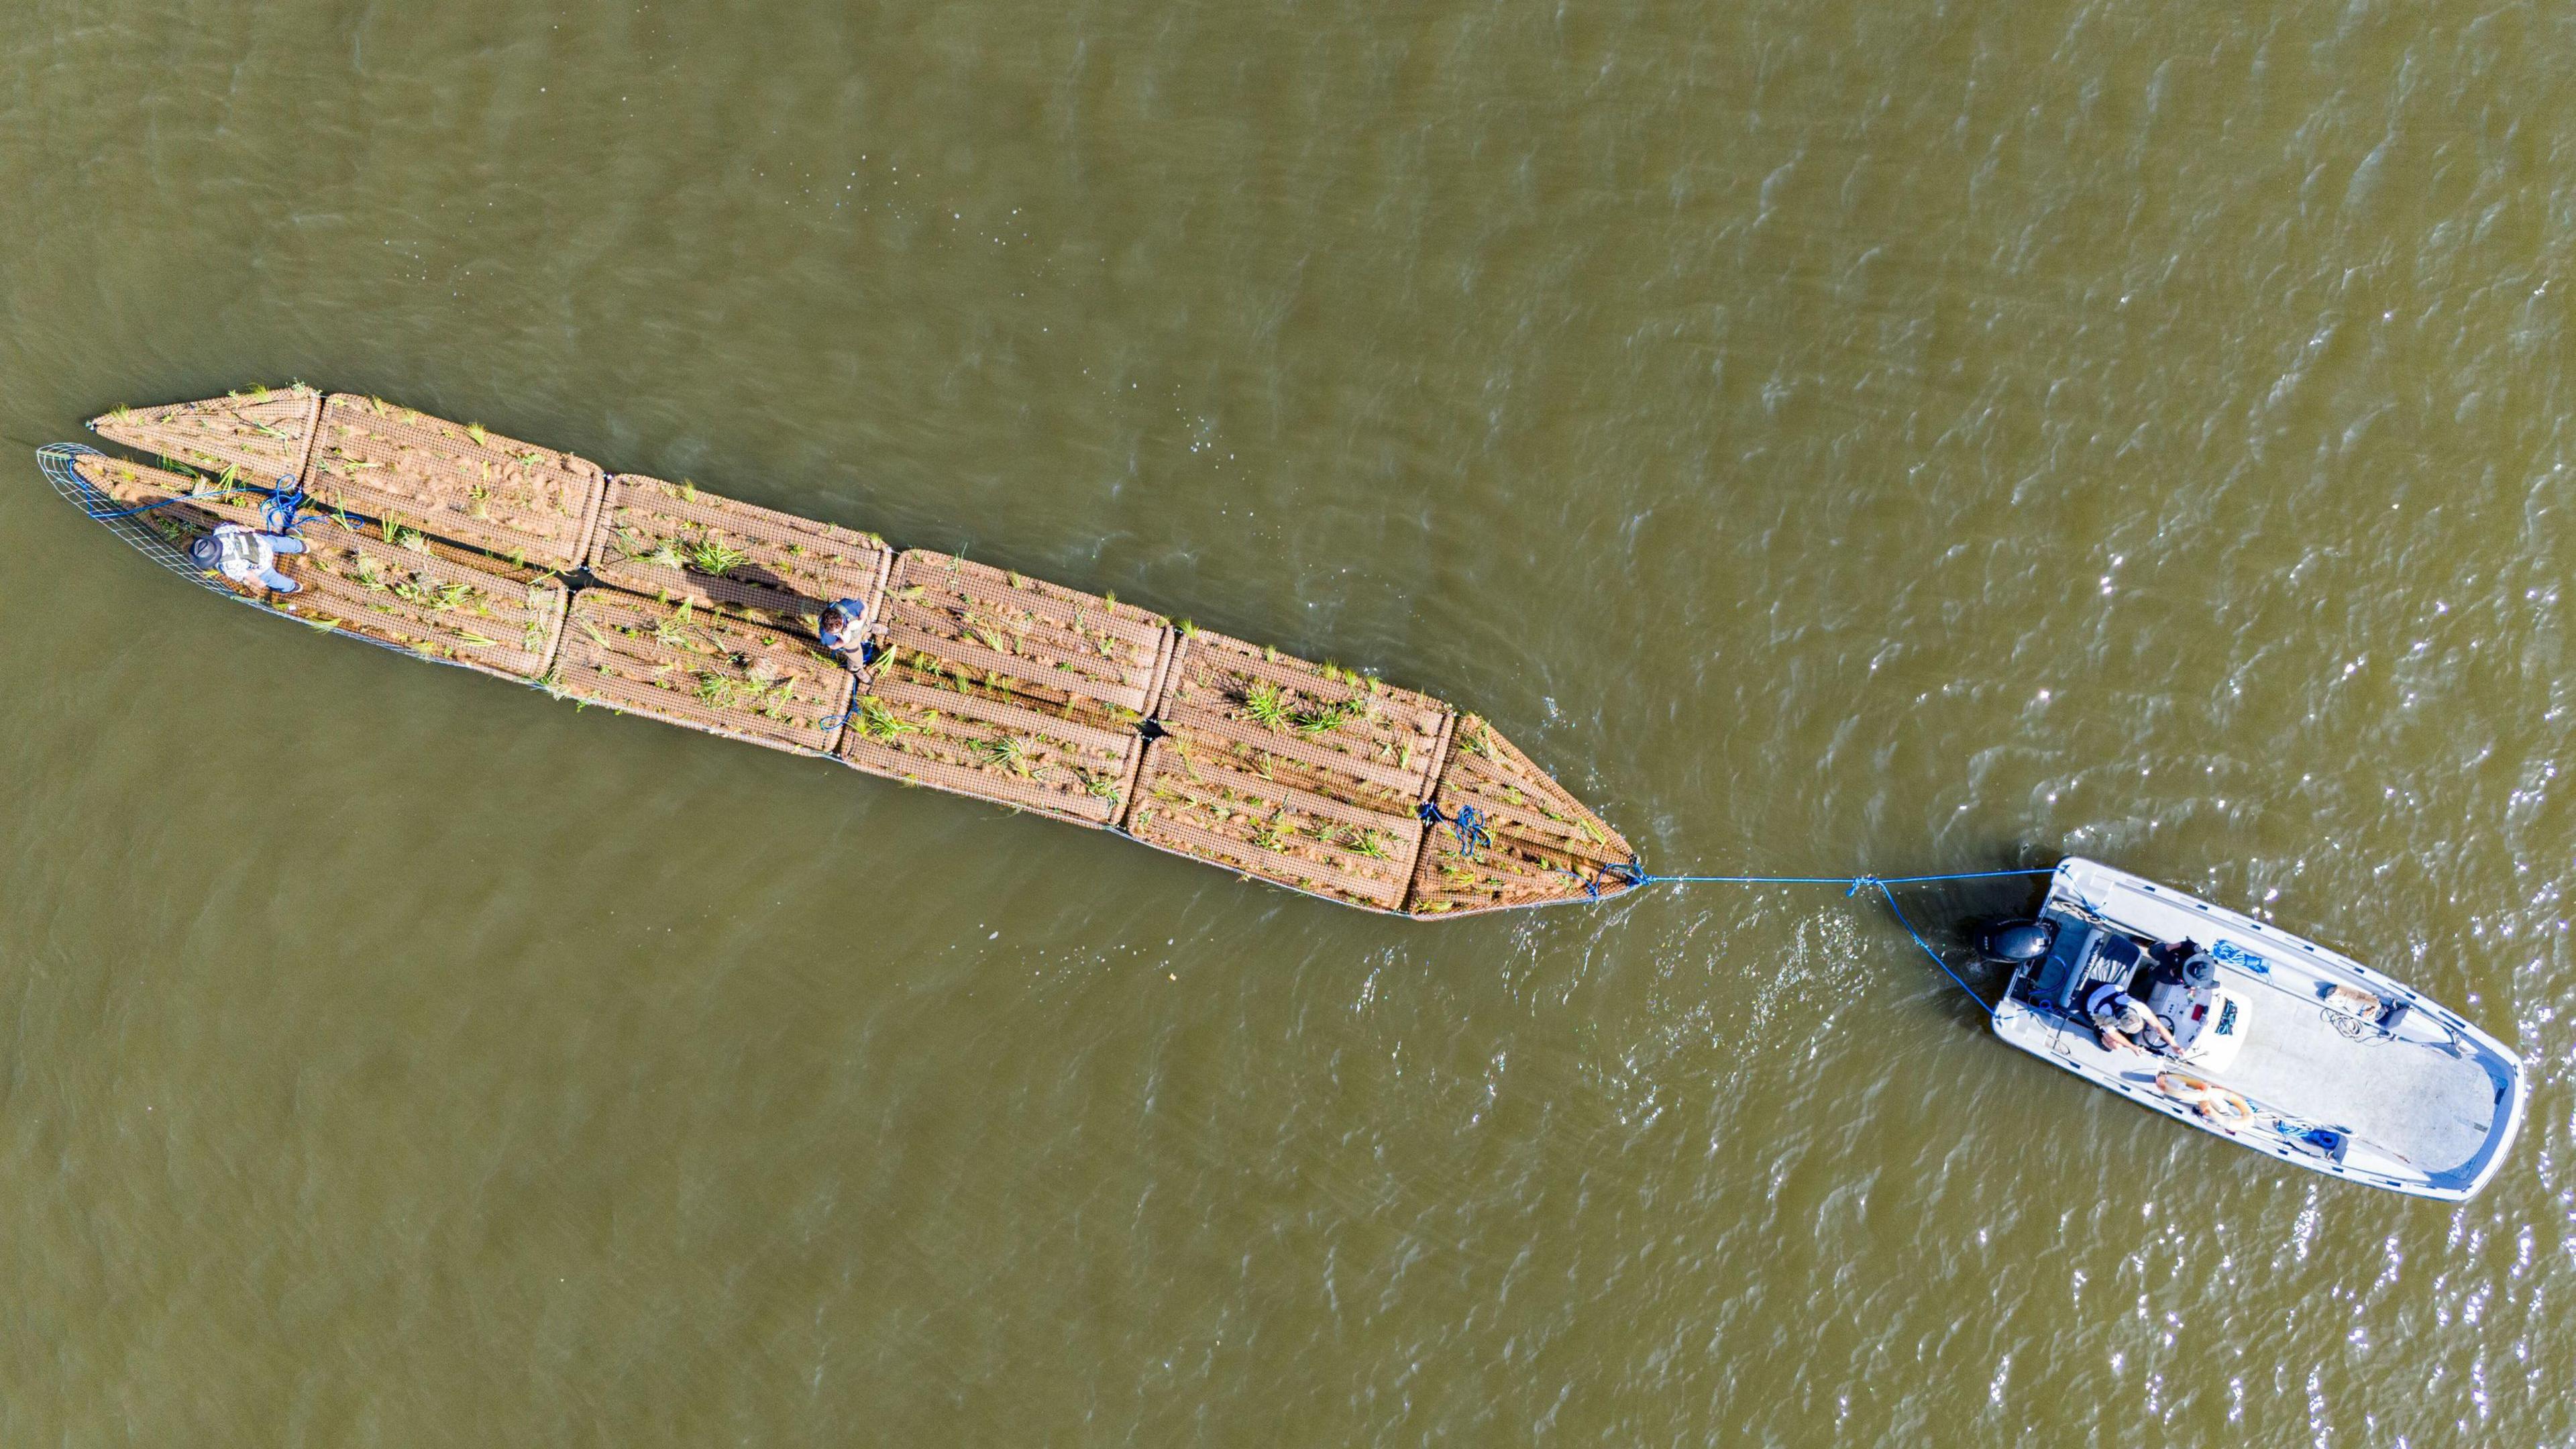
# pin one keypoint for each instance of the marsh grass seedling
(711, 555)
(877, 722)
(1266, 704)
(1324, 719)
(1014, 753)
(1364, 842)
(673, 630)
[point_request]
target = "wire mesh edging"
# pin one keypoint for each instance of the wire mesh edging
(56, 461)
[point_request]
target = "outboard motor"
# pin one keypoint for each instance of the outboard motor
(2017, 942)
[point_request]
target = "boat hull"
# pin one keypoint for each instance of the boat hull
(2428, 1105)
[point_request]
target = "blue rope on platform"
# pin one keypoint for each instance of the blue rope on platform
(284, 502)
(1469, 826)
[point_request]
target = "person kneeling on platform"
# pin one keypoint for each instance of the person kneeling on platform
(839, 629)
(246, 556)
(2122, 1021)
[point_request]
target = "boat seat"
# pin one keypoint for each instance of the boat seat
(2104, 956)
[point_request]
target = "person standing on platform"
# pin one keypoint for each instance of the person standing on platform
(840, 627)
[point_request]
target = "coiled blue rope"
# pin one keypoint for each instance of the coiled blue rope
(284, 502)
(1469, 826)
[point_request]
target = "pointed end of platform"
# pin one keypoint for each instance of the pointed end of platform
(260, 435)
(1538, 845)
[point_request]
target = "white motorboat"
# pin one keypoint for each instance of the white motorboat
(2276, 1043)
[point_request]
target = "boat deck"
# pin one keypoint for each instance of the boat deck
(2429, 1102)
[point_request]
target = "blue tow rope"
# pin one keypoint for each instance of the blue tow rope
(1631, 875)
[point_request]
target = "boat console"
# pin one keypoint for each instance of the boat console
(2178, 982)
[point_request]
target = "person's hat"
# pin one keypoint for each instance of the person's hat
(2131, 1016)
(205, 552)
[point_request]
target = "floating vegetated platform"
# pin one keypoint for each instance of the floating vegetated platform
(452, 543)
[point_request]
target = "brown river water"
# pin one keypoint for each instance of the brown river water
(1829, 436)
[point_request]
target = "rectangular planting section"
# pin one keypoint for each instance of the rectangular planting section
(1320, 727)
(1007, 688)
(677, 541)
(1203, 804)
(687, 666)
(1301, 773)
(258, 436)
(1528, 841)
(392, 586)
(930, 721)
(454, 481)
(1050, 644)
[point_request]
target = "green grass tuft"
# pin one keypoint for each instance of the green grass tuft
(1014, 753)
(710, 555)
(1267, 704)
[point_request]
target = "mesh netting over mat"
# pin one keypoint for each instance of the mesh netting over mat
(948, 729)
(455, 480)
(1320, 727)
(1213, 810)
(678, 541)
(1053, 646)
(259, 436)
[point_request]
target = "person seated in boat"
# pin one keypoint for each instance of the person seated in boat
(2174, 962)
(839, 628)
(2124, 1021)
(2211, 1101)
(247, 556)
